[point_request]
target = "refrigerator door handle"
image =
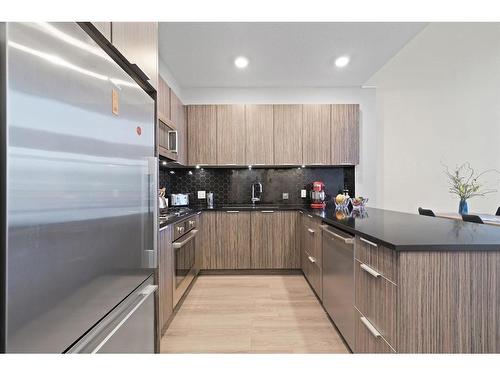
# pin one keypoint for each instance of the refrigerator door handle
(144, 294)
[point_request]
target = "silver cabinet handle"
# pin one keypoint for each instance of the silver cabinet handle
(300, 212)
(309, 216)
(370, 270)
(310, 230)
(267, 212)
(232, 212)
(145, 293)
(192, 222)
(370, 327)
(191, 235)
(347, 240)
(311, 259)
(368, 242)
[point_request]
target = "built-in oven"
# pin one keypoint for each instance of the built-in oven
(184, 248)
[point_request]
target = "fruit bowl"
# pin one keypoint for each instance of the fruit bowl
(341, 202)
(359, 203)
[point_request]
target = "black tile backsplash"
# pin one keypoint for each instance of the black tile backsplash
(232, 186)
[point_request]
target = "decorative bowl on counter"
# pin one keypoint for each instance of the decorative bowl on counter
(358, 203)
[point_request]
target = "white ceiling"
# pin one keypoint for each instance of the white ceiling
(281, 54)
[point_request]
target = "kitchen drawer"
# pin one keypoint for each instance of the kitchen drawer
(179, 230)
(312, 271)
(312, 238)
(367, 340)
(375, 298)
(376, 256)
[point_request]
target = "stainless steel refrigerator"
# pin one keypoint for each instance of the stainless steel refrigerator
(78, 169)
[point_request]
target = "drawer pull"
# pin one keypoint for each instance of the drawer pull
(310, 230)
(309, 216)
(370, 270)
(267, 212)
(347, 240)
(368, 242)
(232, 212)
(370, 327)
(311, 259)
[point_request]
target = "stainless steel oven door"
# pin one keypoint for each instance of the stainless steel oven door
(184, 264)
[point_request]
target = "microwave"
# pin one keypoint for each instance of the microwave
(167, 137)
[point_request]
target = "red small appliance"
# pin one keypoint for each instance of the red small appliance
(318, 195)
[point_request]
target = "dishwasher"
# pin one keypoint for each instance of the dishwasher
(338, 280)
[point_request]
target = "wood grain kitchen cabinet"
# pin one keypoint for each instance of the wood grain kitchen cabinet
(287, 134)
(311, 252)
(316, 131)
(233, 240)
(202, 134)
(208, 240)
(104, 28)
(273, 240)
(138, 42)
(163, 101)
(259, 134)
(365, 339)
(231, 135)
(345, 134)
(165, 277)
(179, 120)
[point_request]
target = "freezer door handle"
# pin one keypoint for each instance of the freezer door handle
(143, 296)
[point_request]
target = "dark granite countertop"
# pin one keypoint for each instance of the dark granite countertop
(396, 230)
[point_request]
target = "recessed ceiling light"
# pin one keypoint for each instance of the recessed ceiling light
(341, 61)
(241, 62)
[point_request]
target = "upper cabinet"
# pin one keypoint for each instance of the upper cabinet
(345, 134)
(259, 134)
(316, 134)
(138, 42)
(231, 135)
(163, 101)
(178, 116)
(104, 28)
(287, 134)
(292, 134)
(202, 134)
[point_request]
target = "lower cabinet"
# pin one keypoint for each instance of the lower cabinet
(366, 338)
(274, 244)
(165, 277)
(311, 252)
(233, 240)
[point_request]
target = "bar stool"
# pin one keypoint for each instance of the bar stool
(425, 212)
(472, 219)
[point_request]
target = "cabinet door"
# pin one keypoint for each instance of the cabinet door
(138, 42)
(165, 277)
(178, 116)
(231, 135)
(345, 134)
(288, 134)
(163, 101)
(367, 340)
(259, 134)
(289, 255)
(316, 134)
(202, 134)
(208, 240)
(104, 28)
(233, 240)
(266, 239)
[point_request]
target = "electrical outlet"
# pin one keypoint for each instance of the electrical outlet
(201, 194)
(303, 193)
(285, 196)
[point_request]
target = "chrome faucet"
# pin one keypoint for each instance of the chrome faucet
(256, 192)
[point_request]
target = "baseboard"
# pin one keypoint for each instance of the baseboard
(251, 272)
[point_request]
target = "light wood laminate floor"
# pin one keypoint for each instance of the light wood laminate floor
(251, 314)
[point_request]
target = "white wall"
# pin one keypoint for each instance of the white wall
(438, 101)
(365, 172)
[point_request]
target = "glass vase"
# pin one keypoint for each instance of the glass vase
(463, 207)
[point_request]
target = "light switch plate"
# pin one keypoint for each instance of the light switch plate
(285, 196)
(303, 193)
(201, 194)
